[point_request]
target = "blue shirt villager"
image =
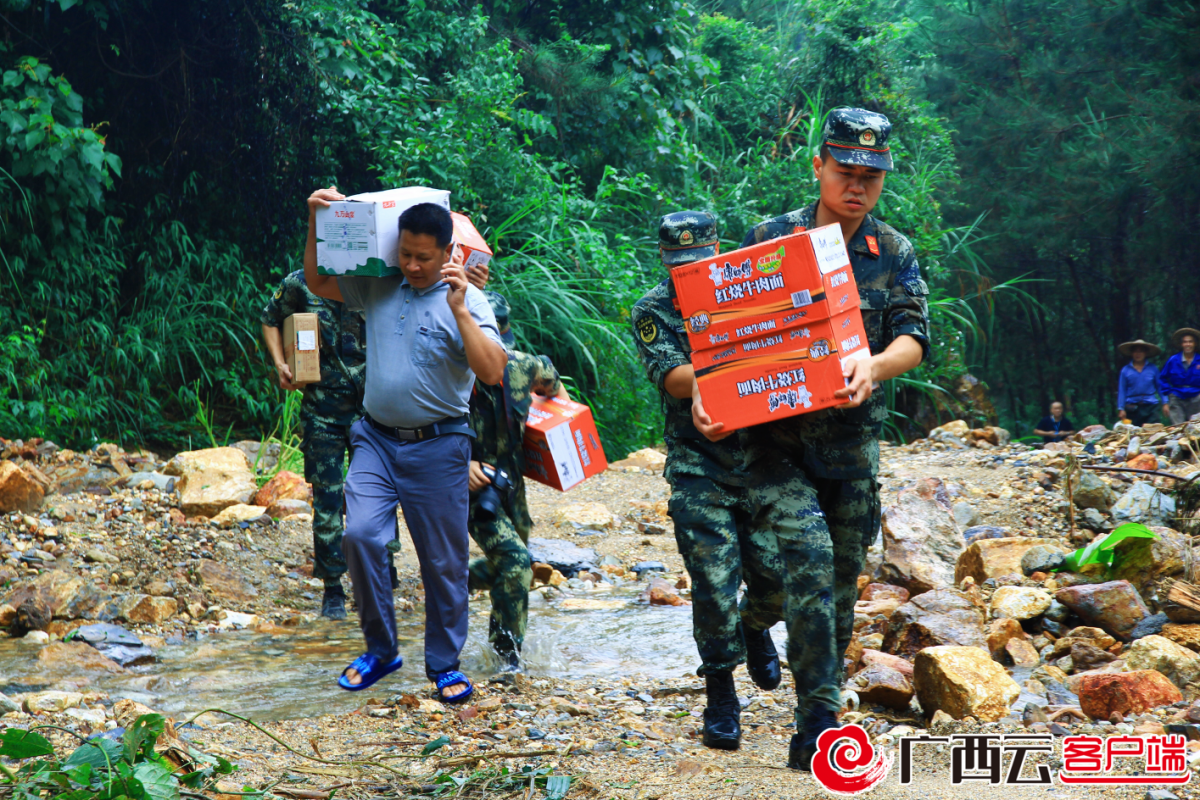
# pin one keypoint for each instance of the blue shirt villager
(1137, 387)
(417, 371)
(1179, 380)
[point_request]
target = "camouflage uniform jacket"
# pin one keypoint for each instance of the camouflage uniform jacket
(662, 345)
(844, 444)
(498, 415)
(343, 337)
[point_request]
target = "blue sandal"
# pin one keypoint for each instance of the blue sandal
(370, 670)
(450, 678)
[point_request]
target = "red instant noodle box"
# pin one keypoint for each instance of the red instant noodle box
(562, 447)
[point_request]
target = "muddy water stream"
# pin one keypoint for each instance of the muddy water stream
(286, 677)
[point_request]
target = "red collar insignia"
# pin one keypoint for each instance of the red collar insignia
(798, 229)
(872, 245)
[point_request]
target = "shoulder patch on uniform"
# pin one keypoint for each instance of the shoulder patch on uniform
(798, 229)
(647, 329)
(872, 245)
(279, 293)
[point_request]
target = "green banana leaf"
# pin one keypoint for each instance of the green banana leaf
(1100, 551)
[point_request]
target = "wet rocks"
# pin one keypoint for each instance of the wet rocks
(567, 558)
(284, 486)
(225, 582)
(63, 657)
(963, 681)
(661, 592)
(19, 491)
(1019, 602)
(115, 643)
(878, 684)
(1089, 491)
(211, 480)
(51, 702)
(147, 610)
(992, 558)
(1102, 695)
(1180, 665)
(939, 617)
(921, 540)
(1143, 503)
(54, 588)
(8, 615)
(1000, 632)
(7, 704)
(1115, 606)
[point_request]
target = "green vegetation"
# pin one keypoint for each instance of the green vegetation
(154, 159)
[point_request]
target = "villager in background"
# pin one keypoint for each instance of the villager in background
(327, 411)
(432, 333)
(813, 476)
(1137, 386)
(1179, 380)
(1054, 427)
(499, 519)
(708, 502)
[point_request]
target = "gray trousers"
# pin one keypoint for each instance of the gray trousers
(429, 481)
(1181, 410)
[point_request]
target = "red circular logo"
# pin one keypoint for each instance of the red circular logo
(842, 751)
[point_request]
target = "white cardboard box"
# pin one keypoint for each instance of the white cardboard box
(361, 234)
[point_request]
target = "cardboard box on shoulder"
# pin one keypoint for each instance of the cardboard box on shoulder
(475, 251)
(562, 447)
(361, 235)
(301, 347)
(769, 287)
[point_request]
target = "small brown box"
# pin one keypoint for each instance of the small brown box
(301, 347)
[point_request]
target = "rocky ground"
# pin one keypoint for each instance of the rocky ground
(963, 625)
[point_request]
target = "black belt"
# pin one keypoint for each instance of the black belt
(439, 428)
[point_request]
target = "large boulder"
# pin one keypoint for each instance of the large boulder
(19, 491)
(63, 658)
(211, 480)
(1115, 606)
(939, 617)
(53, 590)
(1020, 602)
(1089, 491)
(1143, 503)
(1102, 695)
(963, 681)
(1146, 563)
(1180, 665)
(921, 540)
(284, 486)
(991, 558)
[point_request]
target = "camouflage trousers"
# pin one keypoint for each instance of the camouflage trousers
(720, 549)
(822, 528)
(506, 571)
(324, 441)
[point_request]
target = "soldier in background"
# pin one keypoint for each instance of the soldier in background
(709, 506)
(813, 476)
(326, 413)
(499, 519)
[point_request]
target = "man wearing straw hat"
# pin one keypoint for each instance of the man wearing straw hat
(1180, 378)
(1137, 386)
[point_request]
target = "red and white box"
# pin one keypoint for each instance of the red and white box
(562, 446)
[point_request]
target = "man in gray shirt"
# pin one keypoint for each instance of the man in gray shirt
(431, 335)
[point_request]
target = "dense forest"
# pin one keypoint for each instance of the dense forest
(155, 157)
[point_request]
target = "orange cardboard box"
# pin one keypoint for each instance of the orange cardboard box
(562, 447)
(766, 288)
(475, 250)
(301, 347)
(749, 390)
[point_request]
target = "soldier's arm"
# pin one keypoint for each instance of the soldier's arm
(320, 285)
(908, 304)
(903, 354)
(546, 380)
(659, 348)
(678, 382)
(273, 339)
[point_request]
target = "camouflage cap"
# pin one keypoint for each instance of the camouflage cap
(687, 236)
(858, 136)
(500, 311)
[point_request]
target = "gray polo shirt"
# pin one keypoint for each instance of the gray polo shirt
(417, 371)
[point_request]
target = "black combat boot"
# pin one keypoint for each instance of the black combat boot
(804, 742)
(722, 717)
(762, 660)
(333, 604)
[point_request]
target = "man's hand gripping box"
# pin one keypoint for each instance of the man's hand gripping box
(361, 234)
(766, 288)
(562, 446)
